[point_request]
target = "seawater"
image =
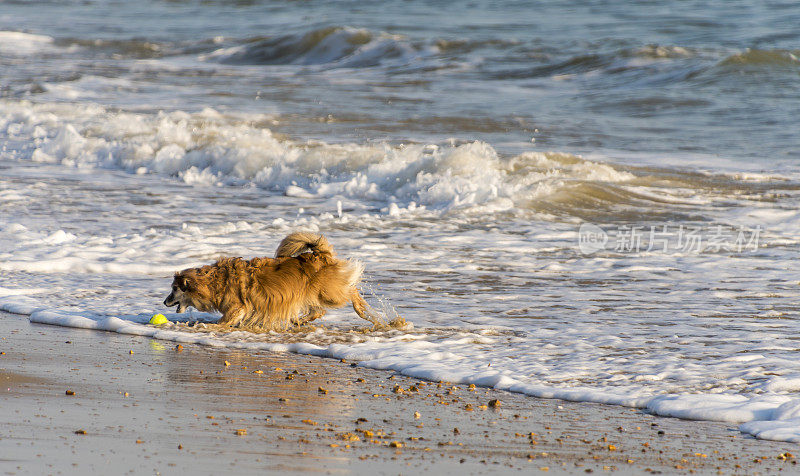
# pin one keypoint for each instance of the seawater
(456, 151)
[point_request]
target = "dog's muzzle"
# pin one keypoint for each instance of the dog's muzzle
(170, 301)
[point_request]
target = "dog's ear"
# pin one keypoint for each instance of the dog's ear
(183, 283)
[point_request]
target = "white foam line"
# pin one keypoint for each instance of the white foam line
(773, 417)
(20, 291)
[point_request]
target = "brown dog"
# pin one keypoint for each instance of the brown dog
(305, 277)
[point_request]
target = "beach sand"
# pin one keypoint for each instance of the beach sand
(142, 406)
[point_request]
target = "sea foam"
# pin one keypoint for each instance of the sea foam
(432, 355)
(15, 43)
(210, 148)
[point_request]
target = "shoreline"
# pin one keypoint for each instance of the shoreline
(152, 406)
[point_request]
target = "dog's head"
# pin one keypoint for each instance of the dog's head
(188, 291)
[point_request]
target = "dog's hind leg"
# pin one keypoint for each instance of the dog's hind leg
(363, 310)
(313, 313)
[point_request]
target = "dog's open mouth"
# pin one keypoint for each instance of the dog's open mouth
(180, 307)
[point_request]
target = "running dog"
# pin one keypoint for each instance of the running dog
(294, 288)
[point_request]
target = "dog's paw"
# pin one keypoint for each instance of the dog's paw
(400, 324)
(302, 328)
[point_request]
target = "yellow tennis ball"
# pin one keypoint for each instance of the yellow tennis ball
(158, 319)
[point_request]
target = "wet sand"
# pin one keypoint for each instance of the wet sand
(141, 406)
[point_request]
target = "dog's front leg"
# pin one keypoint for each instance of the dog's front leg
(312, 314)
(232, 317)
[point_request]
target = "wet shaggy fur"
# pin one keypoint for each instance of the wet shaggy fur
(294, 288)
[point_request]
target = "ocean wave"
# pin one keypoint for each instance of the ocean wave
(334, 46)
(652, 65)
(130, 48)
(17, 44)
(645, 60)
(663, 51)
(209, 148)
(763, 59)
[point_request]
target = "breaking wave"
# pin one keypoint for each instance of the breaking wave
(18, 44)
(209, 148)
(763, 60)
(335, 46)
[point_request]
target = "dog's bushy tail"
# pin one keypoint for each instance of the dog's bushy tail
(299, 242)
